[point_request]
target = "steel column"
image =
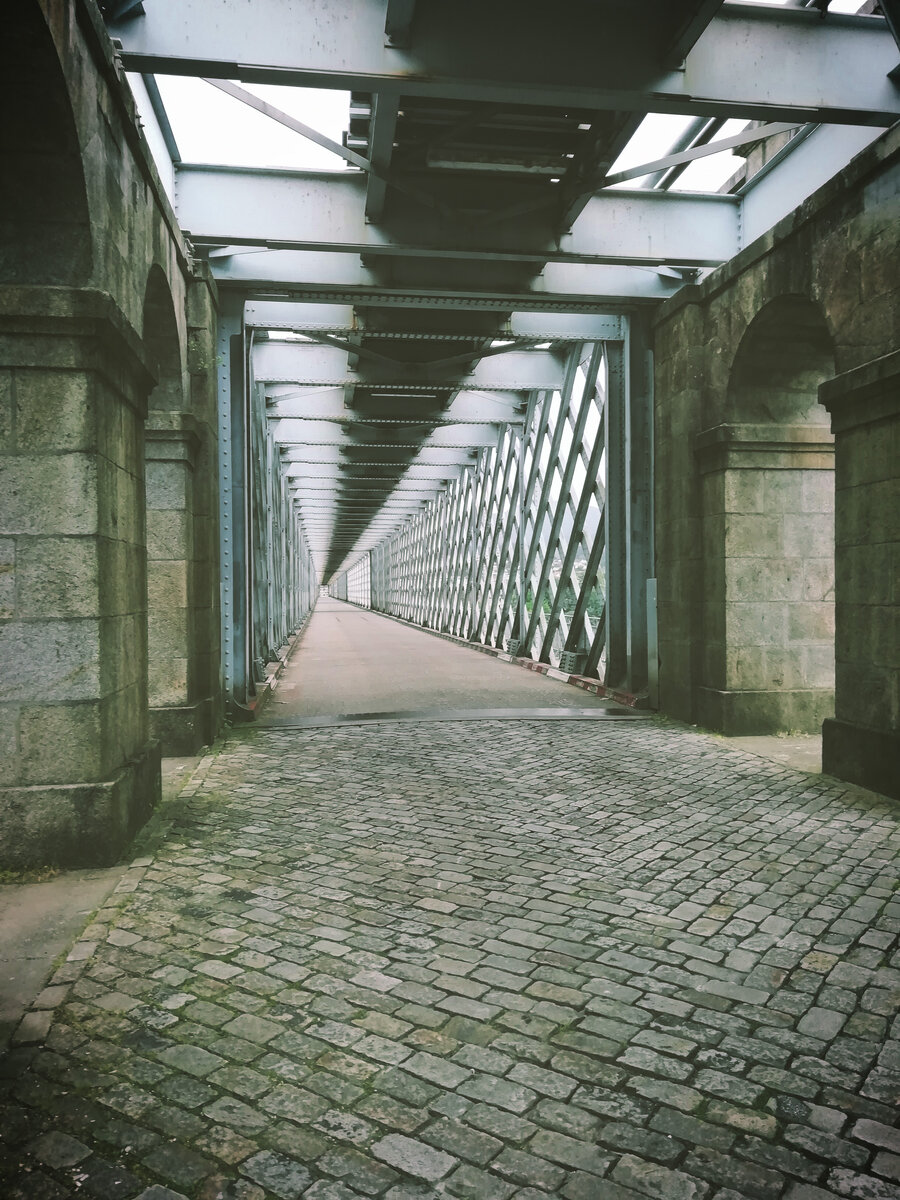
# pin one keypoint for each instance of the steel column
(617, 610)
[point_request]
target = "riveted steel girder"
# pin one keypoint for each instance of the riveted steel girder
(326, 366)
(325, 212)
(758, 62)
(339, 319)
(342, 279)
(324, 433)
(325, 405)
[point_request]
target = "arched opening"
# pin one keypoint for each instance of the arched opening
(170, 445)
(161, 344)
(44, 225)
(784, 355)
(777, 491)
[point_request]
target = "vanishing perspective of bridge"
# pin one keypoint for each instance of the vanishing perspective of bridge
(576, 346)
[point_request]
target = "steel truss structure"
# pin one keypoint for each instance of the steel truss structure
(269, 579)
(515, 552)
(283, 578)
(434, 366)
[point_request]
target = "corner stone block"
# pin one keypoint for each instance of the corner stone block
(808, 535)
(745, 492)
(59, 741)
(57, 576)
(64, 654)
(54, 411)
(753, 536)
(43, 495)
(76, 824)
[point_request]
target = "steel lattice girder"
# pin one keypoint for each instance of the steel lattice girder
(753, 62)
(465, 562)
(325, 212)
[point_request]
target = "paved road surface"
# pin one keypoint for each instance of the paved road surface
(350, 660)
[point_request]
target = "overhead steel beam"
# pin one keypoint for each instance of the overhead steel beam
(699, 15)
(326, 366)
(296, 317)
(339, 319)
(398, 21)
(162, 117)
(325, 212)
(463, 436)
(330, 406)
(341, 278)
(426, 457)
(327, 143)
(758, 62)
(382, 130)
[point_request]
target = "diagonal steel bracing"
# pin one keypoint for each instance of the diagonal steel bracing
(515, 547)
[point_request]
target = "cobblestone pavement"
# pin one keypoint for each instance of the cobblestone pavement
(481, 961)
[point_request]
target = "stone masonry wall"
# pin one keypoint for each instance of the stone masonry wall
(839, 251)
(862, 742)
(73, 702)
(80, 770)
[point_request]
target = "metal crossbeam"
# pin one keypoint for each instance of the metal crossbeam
(339, 319)
(342, 279)
(326, 366)
(836, 70)
(326, 213)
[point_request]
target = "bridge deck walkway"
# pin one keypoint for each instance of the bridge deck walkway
(352, 660)
(584, 958)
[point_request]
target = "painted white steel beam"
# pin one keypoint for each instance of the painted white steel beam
(753, 61)
(325, 212)
(325, 433)
(343, 279)
(326, 366)
(466, 406)
(338, 319)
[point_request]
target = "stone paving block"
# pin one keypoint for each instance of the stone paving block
(413, 1157)
(471, 1183)
(278, 1174)
(688, 997)
(58, 1150)
(192, 1059)
(515, 1098)
(570, 1152)
(33, 1028)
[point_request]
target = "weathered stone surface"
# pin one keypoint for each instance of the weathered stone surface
(688, 990)
(743, 487)
(862, 743)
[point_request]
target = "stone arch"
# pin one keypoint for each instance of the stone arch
(785, 353)
(45, 235)
(162, 345)
(768, 480)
